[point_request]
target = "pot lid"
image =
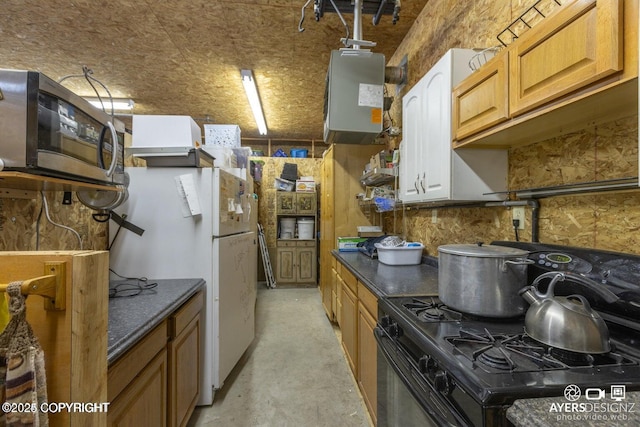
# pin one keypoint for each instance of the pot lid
(480, 250)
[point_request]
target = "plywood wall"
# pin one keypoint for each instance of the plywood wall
(606, 221)
(266, 191)
(24, 225)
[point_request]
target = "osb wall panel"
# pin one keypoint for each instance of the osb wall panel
(266, 191)
(21, 219)
(608, 221)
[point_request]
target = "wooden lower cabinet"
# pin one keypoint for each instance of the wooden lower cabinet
(144, 401)
(184, 361)
(297, 261)
(367, 349)
(349, 327)
(157, 382)
(338, 301)
(358, 308)
(137, 383)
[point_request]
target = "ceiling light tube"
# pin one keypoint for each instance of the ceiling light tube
(254, 100)
(119, 104)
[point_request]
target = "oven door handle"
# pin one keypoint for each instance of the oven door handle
(412, 378)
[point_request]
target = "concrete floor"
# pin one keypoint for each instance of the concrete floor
(294, 373)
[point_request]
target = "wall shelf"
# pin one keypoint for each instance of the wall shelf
(378, 176)
(25, 185)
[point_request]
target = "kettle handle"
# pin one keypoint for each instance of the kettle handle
(555, 276)
(604, 293)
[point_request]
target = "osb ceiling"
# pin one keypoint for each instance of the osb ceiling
(184, 57)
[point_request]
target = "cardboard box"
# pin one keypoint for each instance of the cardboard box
(381, 160)
(151, 131)
(222, 135)
(349, 244)
(305, 186)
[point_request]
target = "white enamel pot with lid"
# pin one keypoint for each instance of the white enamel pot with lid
(568, 323)
(483, 280)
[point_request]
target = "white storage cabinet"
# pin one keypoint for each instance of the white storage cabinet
(430, 170)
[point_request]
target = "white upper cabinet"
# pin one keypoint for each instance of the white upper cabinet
(429, 168)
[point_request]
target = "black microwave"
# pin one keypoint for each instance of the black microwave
(46, 129)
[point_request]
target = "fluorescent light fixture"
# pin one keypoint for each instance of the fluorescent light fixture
(119, 104)
(249, 84)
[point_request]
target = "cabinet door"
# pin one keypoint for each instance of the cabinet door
(144, 401)
(580, 44)
(306, 203)
(307, 262)
(285, 202)
(482, 99)
(286, 271)
(367, 360)
(333, 296)
(436, 130)
(184, 362)
(339, 285)
(412, 175)
(349, 328)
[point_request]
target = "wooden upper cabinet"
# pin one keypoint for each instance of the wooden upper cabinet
(306, 203)
(482, 99)
(285, 202)
(579, 45)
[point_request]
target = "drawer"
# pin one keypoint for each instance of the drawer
(127, 367)
(306, 243)
(286, 244)
(185, 314)
(350, 280)
(368, 300)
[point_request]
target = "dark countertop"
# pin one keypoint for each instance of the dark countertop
(131, 318)
(384, 280)
(559, 412)
(392, 280)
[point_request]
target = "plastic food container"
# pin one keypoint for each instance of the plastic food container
(400, 255)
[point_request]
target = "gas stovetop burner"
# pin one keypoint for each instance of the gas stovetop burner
(520, 353)
(572, 358)
(503, 352)
(431, 310)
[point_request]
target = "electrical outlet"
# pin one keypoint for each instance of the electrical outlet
(434, 216)
(517, 212)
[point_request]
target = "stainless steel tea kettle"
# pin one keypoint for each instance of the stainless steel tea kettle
(568, 323)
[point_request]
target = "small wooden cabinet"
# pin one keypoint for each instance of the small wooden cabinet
(297, 261)
(296, 252)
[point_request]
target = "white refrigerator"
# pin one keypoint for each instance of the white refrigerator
(197, 223)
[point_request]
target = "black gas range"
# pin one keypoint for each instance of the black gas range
(438, 366)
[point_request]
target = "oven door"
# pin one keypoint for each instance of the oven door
(405, 397)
